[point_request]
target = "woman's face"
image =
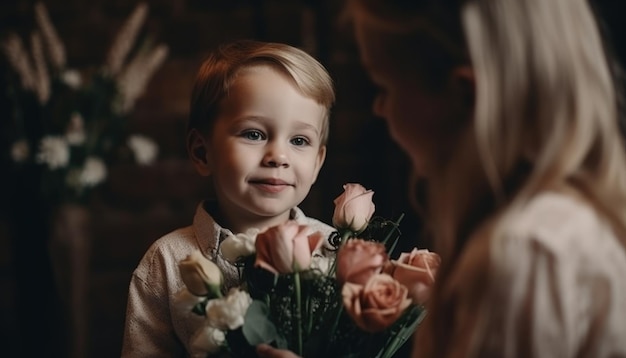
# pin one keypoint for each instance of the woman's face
(422, 120)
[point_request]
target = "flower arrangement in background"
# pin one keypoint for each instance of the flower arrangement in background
(358, 303)
(73, 123)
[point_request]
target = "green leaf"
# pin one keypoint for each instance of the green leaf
(258, 328)
(200, 308)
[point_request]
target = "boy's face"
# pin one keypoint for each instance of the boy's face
(264, 152)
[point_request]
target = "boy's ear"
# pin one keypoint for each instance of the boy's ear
(198, 149)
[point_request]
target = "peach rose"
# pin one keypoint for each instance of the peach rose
(353, 208)
(416, 270)
(378, 304)
(199, 274)
(358, 260)
(286, 248)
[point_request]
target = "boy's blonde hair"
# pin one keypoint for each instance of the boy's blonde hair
(219, 70)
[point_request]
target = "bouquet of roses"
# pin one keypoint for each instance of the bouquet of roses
(356, 302)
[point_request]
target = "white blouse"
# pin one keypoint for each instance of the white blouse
(556, 287)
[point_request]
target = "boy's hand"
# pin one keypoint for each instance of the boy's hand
(267, 351)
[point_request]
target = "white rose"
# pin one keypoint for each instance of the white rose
(201, 276)
(240, 245)
(228, 312)
(207, 340)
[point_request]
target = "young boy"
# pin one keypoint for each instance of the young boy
(257, 129)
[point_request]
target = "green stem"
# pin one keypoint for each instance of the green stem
(336, 322)
(396, 224)
(404, 334)
(298, 315)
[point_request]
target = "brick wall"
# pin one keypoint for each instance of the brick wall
(138, 205)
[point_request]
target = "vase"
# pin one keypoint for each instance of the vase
(70, 242)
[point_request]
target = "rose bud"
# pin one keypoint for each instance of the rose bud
(353, 208)
(200, 275)
(286, 248)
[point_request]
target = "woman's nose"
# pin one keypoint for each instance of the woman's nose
(276, 157)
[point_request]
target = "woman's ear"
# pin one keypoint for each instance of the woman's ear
(198, 149)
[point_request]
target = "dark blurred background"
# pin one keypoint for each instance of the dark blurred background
(137, 205)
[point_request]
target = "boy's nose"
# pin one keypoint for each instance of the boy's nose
(276, 158)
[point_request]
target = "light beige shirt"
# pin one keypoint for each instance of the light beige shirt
(155, 325)
(557, 289)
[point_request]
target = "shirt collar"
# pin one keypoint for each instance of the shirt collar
(210, 234)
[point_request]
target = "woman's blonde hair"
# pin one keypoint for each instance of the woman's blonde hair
(545, 115)
(221, 68)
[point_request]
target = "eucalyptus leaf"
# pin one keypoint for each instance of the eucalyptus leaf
(258, 328)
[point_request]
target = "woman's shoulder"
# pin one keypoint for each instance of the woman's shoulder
(558, 251)
(562, 234)
(560, 223)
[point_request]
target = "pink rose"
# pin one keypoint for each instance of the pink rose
(358, 260)
(353, 208)
(378, 304)
(416, 270)
(286, 248)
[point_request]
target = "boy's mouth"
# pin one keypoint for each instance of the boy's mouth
(270, 185)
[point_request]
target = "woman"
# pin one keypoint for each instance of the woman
(509, 112)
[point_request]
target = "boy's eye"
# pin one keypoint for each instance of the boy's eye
(300, 141)
(253, 135)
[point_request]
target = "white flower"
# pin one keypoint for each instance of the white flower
(228, 312)
(75, 132)
(235, 246)
(20, 151)
(207, 340)
(201, 276)
(144, 149)
(54, 152)
(72, 78)
(93, 173)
